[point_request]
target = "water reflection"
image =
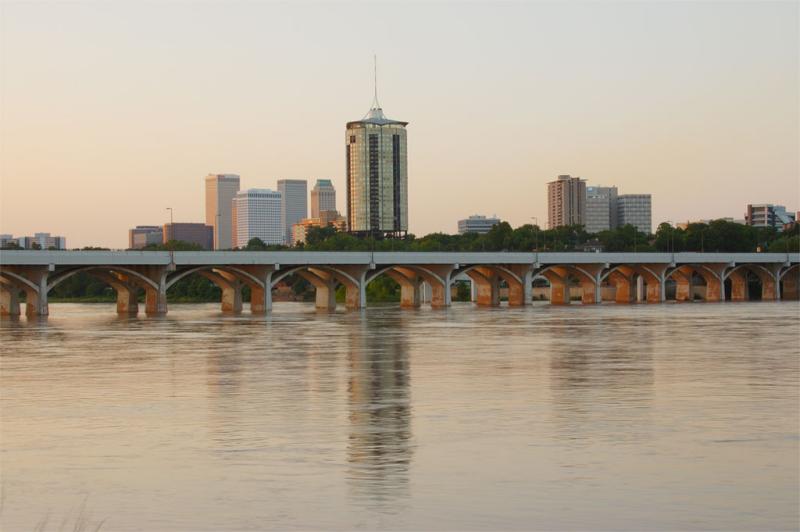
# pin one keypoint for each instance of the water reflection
(590, 379)
(379, 445)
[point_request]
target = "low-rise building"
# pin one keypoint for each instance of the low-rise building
(326, 218)
(145, 235)
(768, 215)
(194, 233)
(477, 224)
(37, 241)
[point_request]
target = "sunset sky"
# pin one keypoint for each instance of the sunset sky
(110, 112)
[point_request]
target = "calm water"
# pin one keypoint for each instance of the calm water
(618, 417)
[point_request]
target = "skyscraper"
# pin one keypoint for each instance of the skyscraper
(377, 174)
(601, 209)
(294, 204)
(220, 190)
(323, 197)
(258, 215)
(566, 201)
(635, 210)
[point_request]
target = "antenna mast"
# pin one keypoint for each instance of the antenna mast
(375, 103)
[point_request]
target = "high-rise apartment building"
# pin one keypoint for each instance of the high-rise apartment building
(294, 204)
(601, 209)
(768, 215)
(377, 174)
(477, 224)
(323, 197)
(220, 190)
(258, 214)
(566, 201)
(144, 235)
(635, 210)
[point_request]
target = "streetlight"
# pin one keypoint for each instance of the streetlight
(536, 234)
(170, 215)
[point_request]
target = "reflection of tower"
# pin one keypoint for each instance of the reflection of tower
(379, 451)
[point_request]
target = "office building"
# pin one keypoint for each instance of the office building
(323, 197)
(37, 241)
(768, 215)
(6, 240)
(635, 210)
(601, 209)
(294, 204)
(193, 233)
(326, 218)
(144, 235)
(258, 214)
(566, 201)
(377, 174)
(477, 224)
(220, 190)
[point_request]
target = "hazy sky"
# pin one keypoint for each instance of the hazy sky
(113, 111)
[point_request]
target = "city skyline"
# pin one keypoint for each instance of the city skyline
(622, 104)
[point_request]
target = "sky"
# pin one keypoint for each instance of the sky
(110, 112)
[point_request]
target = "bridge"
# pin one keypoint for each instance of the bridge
(590, 277)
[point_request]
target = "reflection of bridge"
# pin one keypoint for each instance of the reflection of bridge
(628, 277)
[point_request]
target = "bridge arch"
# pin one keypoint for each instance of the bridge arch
(325, 279)
(738, 282)
(789, 280)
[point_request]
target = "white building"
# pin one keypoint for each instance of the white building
(377, 174)
(323, 197)
(635, 210)
(220, 190)
(601, 209)
(294, 195)
(257, 214)
(477, 224)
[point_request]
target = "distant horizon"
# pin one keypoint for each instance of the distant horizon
(693, 103)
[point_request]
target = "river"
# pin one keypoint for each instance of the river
(673, 416)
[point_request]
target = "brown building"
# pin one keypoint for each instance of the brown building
(566, 201)
(195, 233)
(326, 218)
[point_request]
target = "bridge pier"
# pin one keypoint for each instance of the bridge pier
(790, 287)
(9, 300)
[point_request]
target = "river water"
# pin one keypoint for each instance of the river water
(674, 416)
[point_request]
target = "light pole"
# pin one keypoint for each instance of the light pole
(536, 233)
(170, 215)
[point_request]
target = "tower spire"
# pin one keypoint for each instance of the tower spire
(375, 103)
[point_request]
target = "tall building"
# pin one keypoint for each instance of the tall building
(144, 235)
(377, 174)
(323, 197)
(566, 201)
(477, 224)
(635, 210)
(294, 204)
(768, 215)
(220, 190)
(601, 209)
(194, 233)
(259, 215)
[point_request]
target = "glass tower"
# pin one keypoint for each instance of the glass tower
(377, 175)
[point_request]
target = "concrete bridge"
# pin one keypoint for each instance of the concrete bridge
(620, 277)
